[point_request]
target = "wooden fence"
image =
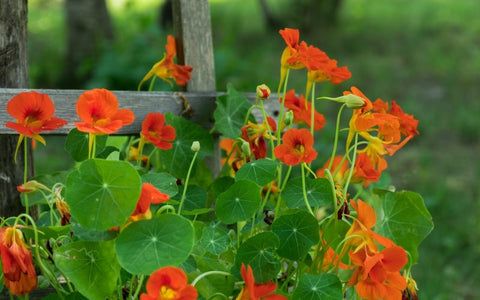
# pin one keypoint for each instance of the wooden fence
(192, 30)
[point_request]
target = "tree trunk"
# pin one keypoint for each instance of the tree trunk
(13, 74)
(89, 29)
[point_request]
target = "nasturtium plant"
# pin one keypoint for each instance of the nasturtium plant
(237, 210)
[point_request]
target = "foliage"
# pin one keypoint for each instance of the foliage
(149, 209)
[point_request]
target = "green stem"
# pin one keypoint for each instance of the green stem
(351, 169)
(201, 276)
(282, 106)
(25, 172)
(312, 114)
(268, 129)
(305, 191)
(335, 143)
(332, 184)
(152, 82)
(186, 183)
(139, 286)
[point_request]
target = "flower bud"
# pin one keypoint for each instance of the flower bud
(352, 101)
(195, 146)
(263, 91)
(245, 146)
(288, 118)
(31, 187)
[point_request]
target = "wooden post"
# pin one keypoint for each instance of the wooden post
(14, 74)
(193, 34)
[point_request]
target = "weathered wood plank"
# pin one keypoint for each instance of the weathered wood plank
(141, 103)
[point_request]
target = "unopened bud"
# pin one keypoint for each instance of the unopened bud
(353, 101)
(288, 118)
(195, 146)
(263, 91)
(31, 187)
(245, 146)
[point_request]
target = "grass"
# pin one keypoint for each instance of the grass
(425, 55)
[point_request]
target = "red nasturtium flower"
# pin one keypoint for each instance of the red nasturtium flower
(167, 69)
(18, 270)
(98, 110)
(34, 114)
(302, 111)
(254, 291)
(256, 134)
(156, 132)
(169, 283)
(297, 147)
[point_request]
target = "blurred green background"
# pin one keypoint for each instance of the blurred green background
(424, 54)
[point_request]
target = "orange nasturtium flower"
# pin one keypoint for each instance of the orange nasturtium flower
(167, 69)
(18, 270)
(234, 155)
(169, 283)
(34, 114)
(254, 291)
(296, 147)
(99, 111)
(156, 132)
(148, 195)
(377, 274)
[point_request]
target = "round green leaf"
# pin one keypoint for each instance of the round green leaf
(260, 171)
(230, 112)
(406, 220)
(164, 182)
(214, 240)
(239, 202)
(259, 252)
(102, 194)
(319, 192)
(91, 266)
(298, 232)
(318, 287)
(177, 159)
(148, 245)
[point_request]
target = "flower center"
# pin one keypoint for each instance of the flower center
(167, 293)
(299, 148)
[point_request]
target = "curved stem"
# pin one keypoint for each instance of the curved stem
(45, 270)
(201, 276)
(282, 106)
(186, 183)
(337, 129)
(345, 191)
(332, 184)
(305, 199)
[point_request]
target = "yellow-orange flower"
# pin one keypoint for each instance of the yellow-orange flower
(167, 69)
(18, 270)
